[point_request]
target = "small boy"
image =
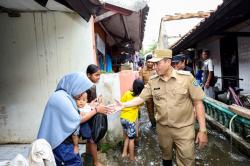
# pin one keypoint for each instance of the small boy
(83, 108)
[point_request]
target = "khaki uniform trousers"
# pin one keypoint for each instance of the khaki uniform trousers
(150, 110)
(182, 138)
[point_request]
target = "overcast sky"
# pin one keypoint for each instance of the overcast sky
(160, 8)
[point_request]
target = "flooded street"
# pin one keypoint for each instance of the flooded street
(219, 151)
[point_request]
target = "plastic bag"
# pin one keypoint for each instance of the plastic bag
(99, 127)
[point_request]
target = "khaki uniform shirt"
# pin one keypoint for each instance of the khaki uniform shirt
(146, 74)
(174, 98)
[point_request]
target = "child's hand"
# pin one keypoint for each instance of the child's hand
(99, 99)
(82, 114)
(102, 109)
(93, 103)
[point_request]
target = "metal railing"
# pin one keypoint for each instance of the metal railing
(222, 114)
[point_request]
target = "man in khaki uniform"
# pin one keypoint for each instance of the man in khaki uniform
(145, 74)
(175, 93)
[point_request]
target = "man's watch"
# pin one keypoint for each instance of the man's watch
(203, 131)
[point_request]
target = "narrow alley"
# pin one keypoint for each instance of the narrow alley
(124, 83)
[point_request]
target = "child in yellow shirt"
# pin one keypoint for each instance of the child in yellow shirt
(128, 119)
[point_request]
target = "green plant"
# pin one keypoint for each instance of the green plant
(104, 147)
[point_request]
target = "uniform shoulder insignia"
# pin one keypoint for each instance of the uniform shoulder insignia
(153, 76)
(183, 72)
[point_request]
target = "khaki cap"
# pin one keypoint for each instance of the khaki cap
(160, 54)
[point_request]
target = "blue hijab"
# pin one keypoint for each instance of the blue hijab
(60, 118)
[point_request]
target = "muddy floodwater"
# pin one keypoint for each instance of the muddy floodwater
(218, 152)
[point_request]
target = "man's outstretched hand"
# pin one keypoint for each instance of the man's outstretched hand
(117, 106)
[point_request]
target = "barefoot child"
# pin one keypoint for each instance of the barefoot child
(128, 119)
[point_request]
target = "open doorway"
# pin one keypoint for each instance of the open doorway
(229, 61)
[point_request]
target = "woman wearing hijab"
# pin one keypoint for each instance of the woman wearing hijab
(61, 118)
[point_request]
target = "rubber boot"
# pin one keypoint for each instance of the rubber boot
(167, 162)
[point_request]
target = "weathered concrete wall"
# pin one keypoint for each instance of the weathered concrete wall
(214, 48)
(36, 50)
(244, 62)
(111, 87)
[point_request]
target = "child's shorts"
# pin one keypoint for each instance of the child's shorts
(85, 131)
(129, 128)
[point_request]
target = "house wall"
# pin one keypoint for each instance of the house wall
(127, 78)
(214, 47)
(244, 62)
(36, 50)
(112, 86)
(243, 57)
(109, 88)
